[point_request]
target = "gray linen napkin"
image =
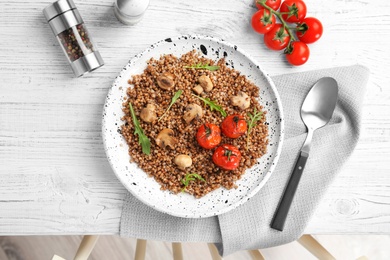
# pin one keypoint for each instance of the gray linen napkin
(248, 226)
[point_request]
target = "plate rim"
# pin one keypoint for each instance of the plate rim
(247, 196)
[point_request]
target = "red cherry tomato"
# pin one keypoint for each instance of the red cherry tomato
(234, 126)
(227, 157)
(274, 4)
(296, 10)
(309, 30)
(277, 39)
(263, 21)
(208, 136)
(299, 53)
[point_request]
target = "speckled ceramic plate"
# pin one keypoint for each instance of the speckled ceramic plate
(147, 189)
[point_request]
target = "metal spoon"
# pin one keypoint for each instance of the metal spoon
(316, 111)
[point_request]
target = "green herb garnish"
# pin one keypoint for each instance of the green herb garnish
(142, 138)
(256, 116)
(212, 105)
(201, 66)
(190, 177)
(174, 99)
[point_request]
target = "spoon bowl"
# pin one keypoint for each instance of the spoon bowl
(317, 109)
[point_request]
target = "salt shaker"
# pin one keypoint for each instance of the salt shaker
(71, 32)
(130, 12)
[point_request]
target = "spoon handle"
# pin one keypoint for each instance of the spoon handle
(288, 195)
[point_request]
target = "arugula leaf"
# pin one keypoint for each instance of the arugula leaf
(142, 138)
(190, 177)
(174, 99)
(256, 116)
(201, 66)
(213, 105)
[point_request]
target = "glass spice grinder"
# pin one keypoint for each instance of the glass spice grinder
(69, 28)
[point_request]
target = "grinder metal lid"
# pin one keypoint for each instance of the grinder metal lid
(57, 8)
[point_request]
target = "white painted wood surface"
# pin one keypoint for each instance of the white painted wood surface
(54, 176)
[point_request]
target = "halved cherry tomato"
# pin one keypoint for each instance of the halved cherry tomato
(295, 10)
(277, 39)
(309, 30)
(298, 54)
(208, 136)
(234, 126)
(227, 157)
(274, 4)
(263, 21)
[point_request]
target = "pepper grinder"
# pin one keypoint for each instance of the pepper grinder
(72, 34)
(130, 12)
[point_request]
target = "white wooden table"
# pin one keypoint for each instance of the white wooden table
(54, 176)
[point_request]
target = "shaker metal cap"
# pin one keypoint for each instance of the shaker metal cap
(57, 8)
(130, 11)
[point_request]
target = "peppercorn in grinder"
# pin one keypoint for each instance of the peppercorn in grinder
(71, 32)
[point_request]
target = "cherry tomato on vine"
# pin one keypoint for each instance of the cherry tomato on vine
(208, 136)
(274, 4)
(227, 157)
(263, 21)
(309, 30)
(278, 38)
(298, 53)
(296, 10)
(234, 126)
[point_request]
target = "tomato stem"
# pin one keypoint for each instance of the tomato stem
(279, 15)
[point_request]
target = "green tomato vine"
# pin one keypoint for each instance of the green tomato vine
(284, 23)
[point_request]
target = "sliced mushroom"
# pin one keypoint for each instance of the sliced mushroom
(198, 89)
(205, 83)
(166, 81)
(242, 100)
(193, 111)
(148, 113)
(183, 161)
(165, 138)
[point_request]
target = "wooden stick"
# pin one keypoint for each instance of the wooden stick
(140, 250)
(55, 257)
(86, 247)
(214, 252)
(177, 251)
(312, 245)
(256, 255)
